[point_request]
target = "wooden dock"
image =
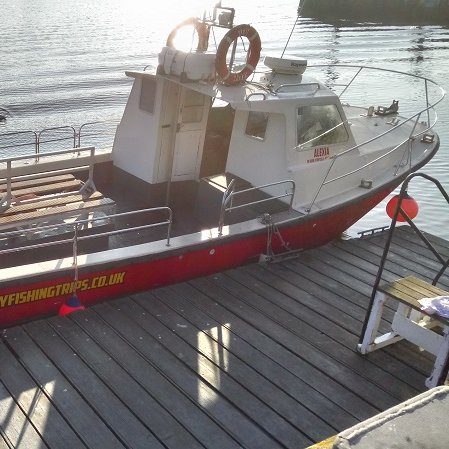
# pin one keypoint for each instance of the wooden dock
(258, 357)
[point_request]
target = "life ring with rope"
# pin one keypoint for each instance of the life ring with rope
(201, 29)
(252, 57)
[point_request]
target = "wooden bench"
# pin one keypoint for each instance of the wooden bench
(43, 210)
(34, 183)
(79, 208)
(42, 200)
(430, 332)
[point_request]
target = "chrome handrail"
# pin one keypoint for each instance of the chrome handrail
(37, 140)
(256, 94)
(55, 128)
(19, 133)
(98, 122)
(366, 142)
(326, 181)
(50, 153)
(229, 195)
(7, 196)
(86, 222)
(429, 107)
(81, 128)
(303, 145)
(284, 86)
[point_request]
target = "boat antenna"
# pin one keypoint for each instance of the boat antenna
(300, 6)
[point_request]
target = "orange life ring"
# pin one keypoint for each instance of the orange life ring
(252, 57)
(201, 28)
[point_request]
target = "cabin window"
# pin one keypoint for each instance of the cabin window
(320, 125)
(256, 126)
(147, 94)
(192, 109)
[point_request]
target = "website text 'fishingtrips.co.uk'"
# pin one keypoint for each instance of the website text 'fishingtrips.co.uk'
(66, 288)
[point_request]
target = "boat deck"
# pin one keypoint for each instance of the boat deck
(195, 205)
(262, 356)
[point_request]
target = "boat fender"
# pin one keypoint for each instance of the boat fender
(252, 57)
(201, 29)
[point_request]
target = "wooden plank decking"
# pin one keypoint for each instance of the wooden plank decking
(258, 357)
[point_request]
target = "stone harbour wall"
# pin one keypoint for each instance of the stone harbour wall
(385, 11)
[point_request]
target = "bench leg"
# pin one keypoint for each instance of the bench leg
(370, 342)
(372, 326)
(441, 362)
(5, 201)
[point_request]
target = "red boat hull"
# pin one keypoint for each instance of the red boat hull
(43, 295)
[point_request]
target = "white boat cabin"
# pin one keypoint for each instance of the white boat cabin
(280, 127)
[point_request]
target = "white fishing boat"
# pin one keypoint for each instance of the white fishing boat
(213, 165)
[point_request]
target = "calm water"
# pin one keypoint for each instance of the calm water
(63, 63)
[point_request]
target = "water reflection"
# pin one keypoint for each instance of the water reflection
(332, 57)
(65, 66)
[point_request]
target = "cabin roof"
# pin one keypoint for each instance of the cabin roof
(250, 94)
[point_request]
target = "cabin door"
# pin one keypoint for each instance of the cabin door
(190, 132)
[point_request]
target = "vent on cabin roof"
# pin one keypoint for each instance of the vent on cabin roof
(288, 66)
